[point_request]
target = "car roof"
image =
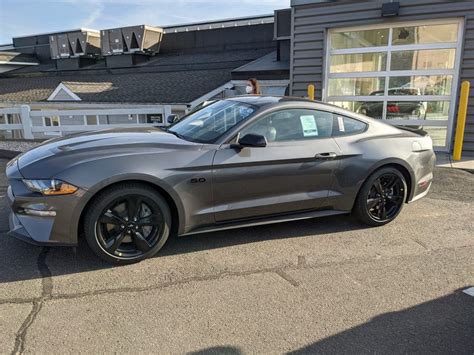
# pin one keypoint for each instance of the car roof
(262, 101)
(265, 100)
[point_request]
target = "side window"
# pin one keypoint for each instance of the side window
(344, 126)
(292, 125)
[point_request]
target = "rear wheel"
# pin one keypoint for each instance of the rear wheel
(381, 197)
(127, 223)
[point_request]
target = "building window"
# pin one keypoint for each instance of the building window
(405, 73)
(154, 118)
(359, 39)
(51, 121)
(72, 120)
(103, 119)
(91, 120)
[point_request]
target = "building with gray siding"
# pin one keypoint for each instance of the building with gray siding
(405, 66)
(170, 70)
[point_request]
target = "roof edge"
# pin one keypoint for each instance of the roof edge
(307, 2)
(81, 29)
(232, 19)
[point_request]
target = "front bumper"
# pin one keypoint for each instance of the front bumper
(19, 232)
(42, 230)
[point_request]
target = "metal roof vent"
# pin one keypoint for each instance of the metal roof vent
(133, 39)
(74, 44)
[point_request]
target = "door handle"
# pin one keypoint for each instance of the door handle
(326, 156)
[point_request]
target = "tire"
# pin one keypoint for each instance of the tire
(363, 111)
(377, 209)
(127, 223)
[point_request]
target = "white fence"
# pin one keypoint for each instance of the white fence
(30, 124)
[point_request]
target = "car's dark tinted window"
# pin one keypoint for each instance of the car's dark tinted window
(344, 126)
(292, 125)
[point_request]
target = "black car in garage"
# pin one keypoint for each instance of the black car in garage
(395, 109)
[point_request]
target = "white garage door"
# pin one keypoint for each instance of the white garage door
(406, 73)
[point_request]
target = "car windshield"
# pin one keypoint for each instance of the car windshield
(211, 122)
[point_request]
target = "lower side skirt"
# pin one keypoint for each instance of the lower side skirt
(264, 220)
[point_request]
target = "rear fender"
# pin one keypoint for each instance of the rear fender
(395, 162)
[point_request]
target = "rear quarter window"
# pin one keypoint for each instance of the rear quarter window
(344, 126)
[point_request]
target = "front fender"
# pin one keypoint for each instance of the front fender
(159, 170)
(152, 180)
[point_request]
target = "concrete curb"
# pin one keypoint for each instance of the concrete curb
(8, 154)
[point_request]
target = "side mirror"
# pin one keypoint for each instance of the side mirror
(251, 140)
(172, 119)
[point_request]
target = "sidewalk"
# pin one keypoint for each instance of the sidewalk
(445, 160)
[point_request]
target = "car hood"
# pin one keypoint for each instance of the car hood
(58, 154)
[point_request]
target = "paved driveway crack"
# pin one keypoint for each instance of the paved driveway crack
(17, 300)
(164, 285)
(281, 271)
(287, 277)
(420, 243)
(46, 291)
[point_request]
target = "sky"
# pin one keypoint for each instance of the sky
(25, 17)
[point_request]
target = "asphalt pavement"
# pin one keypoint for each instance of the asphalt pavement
(327, 285)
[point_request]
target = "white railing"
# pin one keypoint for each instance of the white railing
(32, 123)
(10, 126)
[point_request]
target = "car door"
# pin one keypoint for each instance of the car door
(294, 172)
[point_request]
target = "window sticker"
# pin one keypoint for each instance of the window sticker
(309, 126)
(340, 122)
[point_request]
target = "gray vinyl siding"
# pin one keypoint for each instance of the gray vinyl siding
(310, 23)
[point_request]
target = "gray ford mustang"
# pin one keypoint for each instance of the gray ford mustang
(237, 162)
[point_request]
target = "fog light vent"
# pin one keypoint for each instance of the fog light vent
(31, 212)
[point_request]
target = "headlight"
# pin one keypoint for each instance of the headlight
(50, 187)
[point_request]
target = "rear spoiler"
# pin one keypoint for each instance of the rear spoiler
(418, 131)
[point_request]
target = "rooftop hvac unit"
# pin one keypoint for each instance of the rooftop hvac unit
(144, 39)
(74, 44)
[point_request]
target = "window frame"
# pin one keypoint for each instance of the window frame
(263, 115)
(389, 73)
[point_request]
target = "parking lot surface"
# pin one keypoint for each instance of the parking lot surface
(313, 286)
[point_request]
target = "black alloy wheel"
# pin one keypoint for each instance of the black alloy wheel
(130, 226)
(381, 197)
(385, 197)
(127, 223)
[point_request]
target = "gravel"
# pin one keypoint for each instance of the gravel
(19, 146)
(10, 149)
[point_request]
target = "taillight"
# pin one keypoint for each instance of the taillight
(393, 109)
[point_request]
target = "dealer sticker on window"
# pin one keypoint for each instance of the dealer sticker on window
(340, 122)
(309, 126)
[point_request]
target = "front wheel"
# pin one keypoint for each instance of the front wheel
(381, 197)
(127, 223)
